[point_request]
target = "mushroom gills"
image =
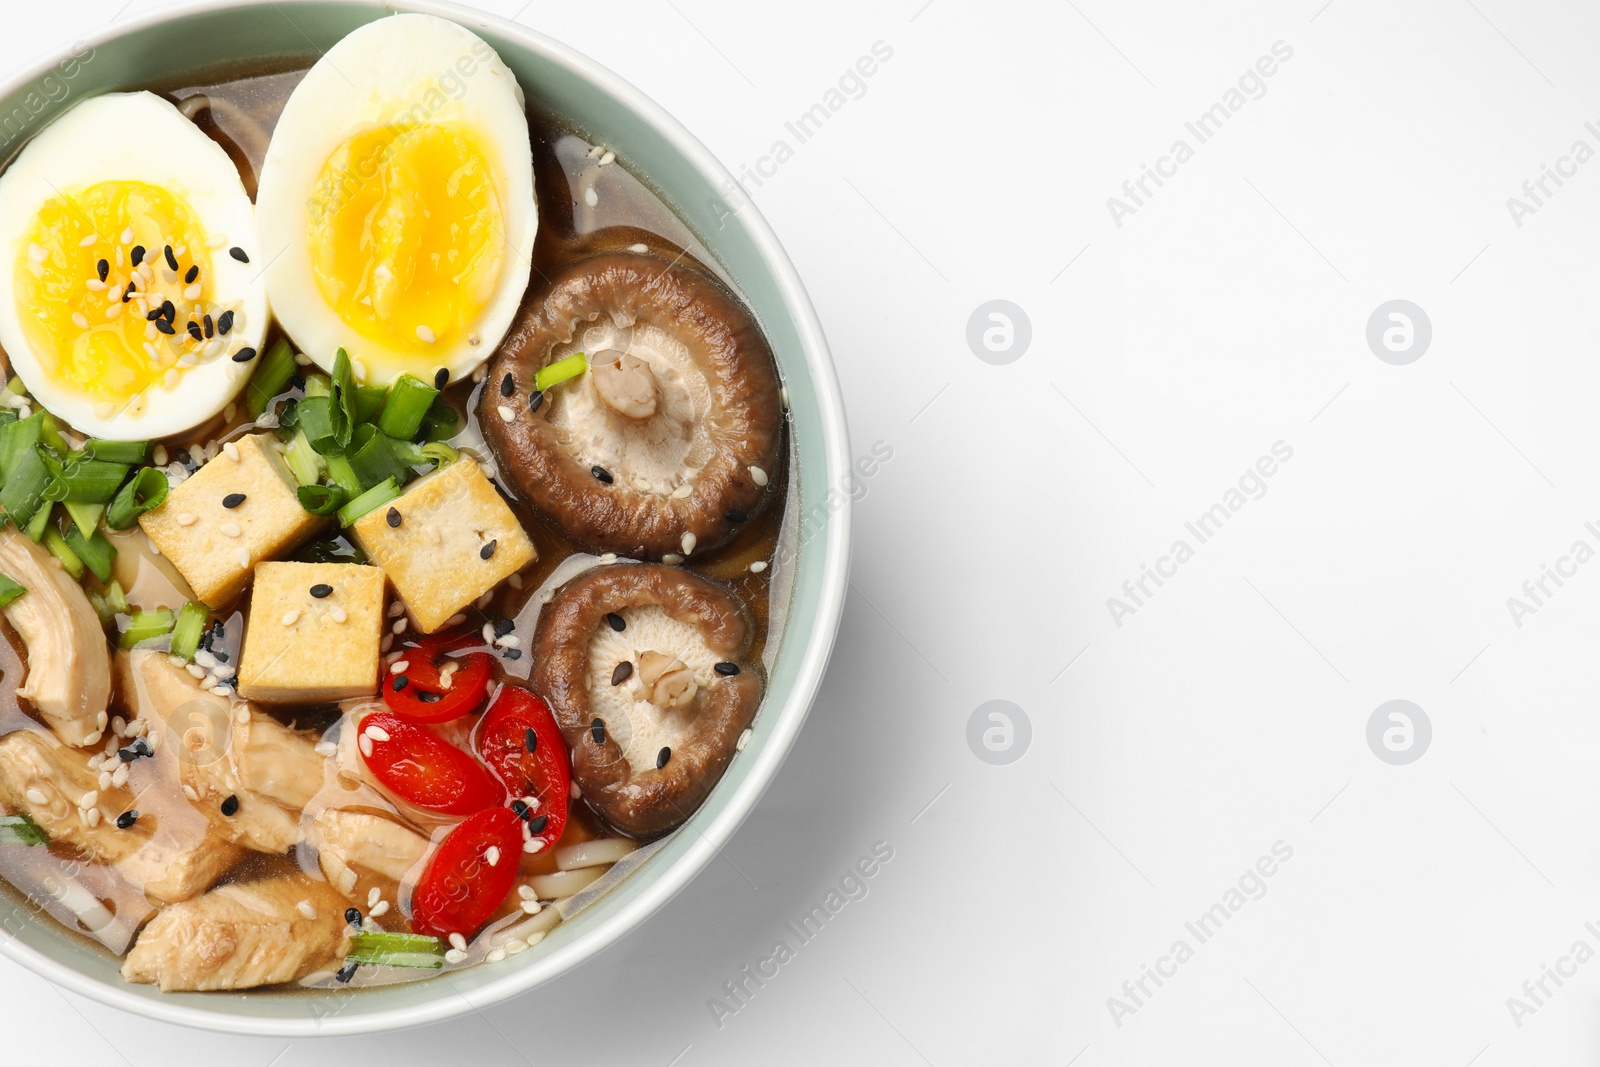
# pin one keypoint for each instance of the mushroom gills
(654, 708)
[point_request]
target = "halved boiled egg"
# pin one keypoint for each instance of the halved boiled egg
(396, 203)
(127, 304)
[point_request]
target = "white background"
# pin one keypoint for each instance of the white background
(1229, 713)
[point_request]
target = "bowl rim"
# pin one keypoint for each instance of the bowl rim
(788, 716)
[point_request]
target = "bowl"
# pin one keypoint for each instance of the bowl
(810, 576)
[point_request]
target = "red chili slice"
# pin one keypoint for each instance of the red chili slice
(418, 693)
(522, 745)
(425, 770)
(464, 882)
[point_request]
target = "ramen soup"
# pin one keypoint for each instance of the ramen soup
(359, 639)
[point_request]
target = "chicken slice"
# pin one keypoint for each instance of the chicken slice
(69, 665)
(242, 935)
(271, 770)
(168, 851)
(353, 846)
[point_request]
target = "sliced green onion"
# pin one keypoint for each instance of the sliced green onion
(7, 415)
(36, 525)
(145, 491)
(16, 440)
(272, 374)
(561, 370)
(369, 401)
(375, 497)
(395, 950)
(323, 423)
(434, 453)
(21, 830)
(26, 486)
(108, 607)
(303, 460)
(92, 481)
(9, 590)
(187, 631)
(61, 550)
(85, 517)
(146, 626)
(98, 554)
(50, 434)
(341, 474)
(129, 452)
(15, 386)
(318, 385)
(344, 389)
(408, 403)
(376, 459)
(321, 499)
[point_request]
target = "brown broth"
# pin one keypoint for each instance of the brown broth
(240, 111)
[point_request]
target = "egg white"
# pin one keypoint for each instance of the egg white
(396, 70)
(136, 137)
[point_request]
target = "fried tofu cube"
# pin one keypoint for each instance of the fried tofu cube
(216, 546)
(447, 540)
(313, 633)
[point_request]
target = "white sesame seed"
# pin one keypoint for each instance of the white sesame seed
(533, 845)
(89, 241)
(187, 518)
(337, 613)
(608, 557)
(671, 557)
(365, 744)
(399, 626)
(399, 666)
(127, 236)
(458, 942)
(376, 732)
(302, 360)
(744, 739)
(192, 293)
(509, 641)
(221, 691)
(455, 955)
(105, 780)
(171, 378)
(388, 643)
(425, 335)
(230, 450)
(304, 908)
(96, 285)
(89, 799)
(119, 777)
(244, 558)
(682, 491)
(378, 909)
(37, 796)
(373, 896)
(495, 955)
(204, 657)
(525, 891)
(359, 369)
(100, 720)
(507, 413)
(325, 748)
(241, 715)
(591, 197)
(93, 818)
(492, 855)
(396, 610)
(79, 320)
(114, 311)
(456, 620)
(688, 543)
(608, 159)
(196, 670)
(291, 616)
(758, 566)
(758, 476)
(230, 529)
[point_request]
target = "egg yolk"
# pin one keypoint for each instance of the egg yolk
(83, 300)
(405, 236)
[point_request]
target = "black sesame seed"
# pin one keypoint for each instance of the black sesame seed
(165, 327)
(512, 653)
(142, 747)
(488, 550)
(238, 253)
(662, 757)
(622, 672)
(191, 275)
(736, 515)
(597, 730)
(536, 400)
(530, 737)
(225, 323)
(127, 294)
(321, 590)
(520, 807)
(233, 500)
(399, 682)
(602, 474)
(103, 269)
(441, 377)
(352, 916)
(136, 257)
(230, 807)
(127, 819)
(425, 697)
(194, 330)
(153, 316)
(394, 516)
(503, 627)
(168, 312)
(727, 670)
(244, 355)
(210, 326)
(536, 826)
(347, 972)
(127, 755)
(616, 622)
(172, 260)
(507, 386)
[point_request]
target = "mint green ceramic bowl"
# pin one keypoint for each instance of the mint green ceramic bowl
(813, 565)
